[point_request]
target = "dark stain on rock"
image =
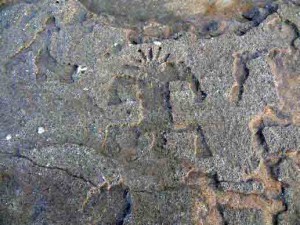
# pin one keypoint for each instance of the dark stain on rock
(151, 20)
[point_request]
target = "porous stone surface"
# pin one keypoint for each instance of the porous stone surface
(149, 112)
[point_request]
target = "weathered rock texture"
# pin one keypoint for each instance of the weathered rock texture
(149, 112)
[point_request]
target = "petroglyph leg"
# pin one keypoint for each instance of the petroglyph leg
(240, 73)
(186, 74)
(121, 140)
(118, 80)
(201, 147)
(269, 117)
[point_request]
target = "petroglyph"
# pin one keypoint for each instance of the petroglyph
(104, 197)
(207, 210)
(240, 73)
(153, 77)
(289, 174)
(154, 74)
(165, 147)
(284, 64)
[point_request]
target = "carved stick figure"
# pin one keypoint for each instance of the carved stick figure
(206, 210)
(155, 72)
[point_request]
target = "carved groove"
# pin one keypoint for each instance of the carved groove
(240, 73)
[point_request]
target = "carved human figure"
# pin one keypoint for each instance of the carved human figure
(206, 210)
(154, 74)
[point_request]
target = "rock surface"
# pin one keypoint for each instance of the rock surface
(149, 112)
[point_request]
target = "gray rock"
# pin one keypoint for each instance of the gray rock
(118, 113)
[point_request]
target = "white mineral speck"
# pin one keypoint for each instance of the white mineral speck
(8, 137)
(41, 130)
(158, 43)
(81, 69)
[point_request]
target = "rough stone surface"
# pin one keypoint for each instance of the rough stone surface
(149, 112)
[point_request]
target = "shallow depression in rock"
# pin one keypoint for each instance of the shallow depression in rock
(165, 11)
(153, 19)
